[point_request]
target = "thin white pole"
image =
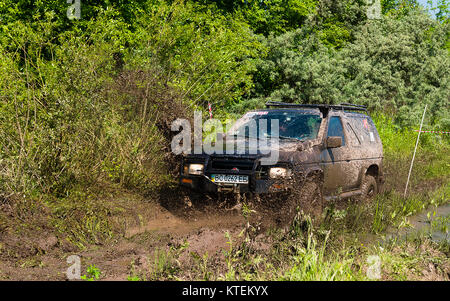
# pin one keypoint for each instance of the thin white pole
(415, 149)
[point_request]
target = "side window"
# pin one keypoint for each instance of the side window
(365, 130)
(335, 128)
(374, 133)
(352, 136)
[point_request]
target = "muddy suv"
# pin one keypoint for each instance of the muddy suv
(324, 152)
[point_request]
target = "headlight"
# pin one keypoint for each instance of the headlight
(195, 169)
(279, 172)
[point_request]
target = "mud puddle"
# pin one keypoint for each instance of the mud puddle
(433, 222)
(178, 225)
(426, 222)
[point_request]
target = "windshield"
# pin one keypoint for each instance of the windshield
(293, 124)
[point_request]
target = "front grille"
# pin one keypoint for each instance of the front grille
(232, 163)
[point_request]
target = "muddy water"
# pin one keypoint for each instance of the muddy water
(179, 226)
(421, 224)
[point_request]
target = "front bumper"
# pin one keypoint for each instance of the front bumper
(204, 184)
(258, 175)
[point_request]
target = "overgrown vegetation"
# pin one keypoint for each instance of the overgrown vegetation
(86, 107)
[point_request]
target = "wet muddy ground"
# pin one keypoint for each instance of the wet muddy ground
(147, 227)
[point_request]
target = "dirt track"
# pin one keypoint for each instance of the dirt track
(149, 227)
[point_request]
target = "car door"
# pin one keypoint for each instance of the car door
(356, 154)
(339, 172)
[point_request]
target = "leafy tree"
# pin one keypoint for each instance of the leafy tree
(400, 64)
(30, 10)
(335, 21)
(269, 16)
(207, 55)
(392, 64)
(442, 9)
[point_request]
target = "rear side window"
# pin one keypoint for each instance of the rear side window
(353, 137)
(335, 128)
(364, 129)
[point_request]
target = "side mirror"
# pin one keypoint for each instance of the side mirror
(334, 141)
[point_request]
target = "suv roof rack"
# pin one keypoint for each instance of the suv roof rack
(342, 106)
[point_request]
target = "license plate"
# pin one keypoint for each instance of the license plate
(231, 179)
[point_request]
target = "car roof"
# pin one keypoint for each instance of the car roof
(324, 108)
(356, 114)
(315, 111)
(300, 110)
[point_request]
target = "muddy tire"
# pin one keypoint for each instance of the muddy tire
(369, 188)
(308, 199)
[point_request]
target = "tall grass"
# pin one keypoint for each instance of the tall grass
(431, 161)
(74, 122)
(309, 263)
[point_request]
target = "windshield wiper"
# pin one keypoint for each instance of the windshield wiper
(268, 137)
(285, 138)
(246, 137)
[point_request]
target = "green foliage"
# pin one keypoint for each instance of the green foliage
(401, 67)
(443, 10)
(397, 141)
(398, 147)
(398, 8)
(297, 69)
(166, 264)
(440, 223)
(335, 22)
(81, 218)
(269, 16)
(394, 65)
(52, 106)
(206, 54)
(29, 11)
(93, 273)
(202, 263)
(309, 264)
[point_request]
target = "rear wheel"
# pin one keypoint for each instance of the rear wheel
(369, 188)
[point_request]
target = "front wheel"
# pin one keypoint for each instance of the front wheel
(307, 198)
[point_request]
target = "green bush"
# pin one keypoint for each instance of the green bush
(93, 104)
(206, 55)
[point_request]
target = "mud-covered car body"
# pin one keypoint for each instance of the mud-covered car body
(344, 150)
